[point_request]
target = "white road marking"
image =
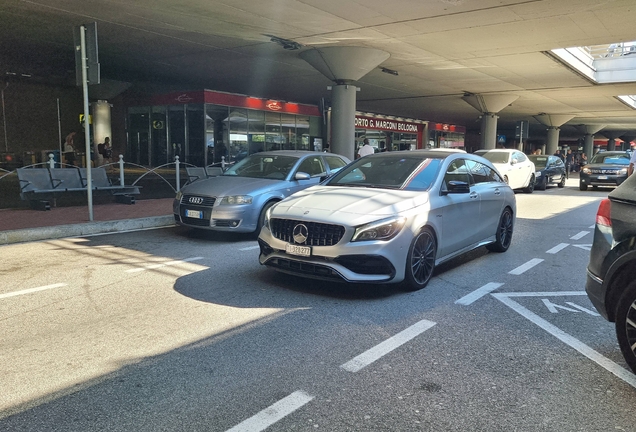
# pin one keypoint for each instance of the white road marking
(593, 226)
(579, 235)
(558, 248)
(584, 246)
(375, 353)
(525, 267)
(249, 248)
(478, 293)
(164, 264)
(31, 290)
(583, 309)
(588, 352)
(273, 413)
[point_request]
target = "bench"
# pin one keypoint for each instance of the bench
(36, 183)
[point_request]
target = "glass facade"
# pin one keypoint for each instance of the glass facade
(203, 134)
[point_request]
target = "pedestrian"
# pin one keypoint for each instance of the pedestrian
(569, 163)
(69, 149)
(632, 164)
(583, 160)
(105, 152)
(366, 149)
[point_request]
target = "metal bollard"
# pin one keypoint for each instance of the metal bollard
(176, 167)
(121, 170)
(51, 161)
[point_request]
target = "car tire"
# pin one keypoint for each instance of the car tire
(503, 236)
(530, 188)
(544, 184)
(420, 261)
(562, 182)
(582, 187)
(625, 329)
(261, 217)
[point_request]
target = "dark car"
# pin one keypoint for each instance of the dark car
(605, 169)
(550, 170)
(611, 272)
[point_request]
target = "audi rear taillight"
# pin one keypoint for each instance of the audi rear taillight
(603, 213)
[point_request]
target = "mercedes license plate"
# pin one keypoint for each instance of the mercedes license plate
(194, 214)
(298, 250)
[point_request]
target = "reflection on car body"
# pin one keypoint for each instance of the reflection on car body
(238, 199)
(390, 217)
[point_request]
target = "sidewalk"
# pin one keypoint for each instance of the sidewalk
(23, 225)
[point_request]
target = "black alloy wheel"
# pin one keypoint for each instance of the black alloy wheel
(503, 237)
(530, 188)
(562, 182)
(626, 325)
(420, 261)
(582, 187)
(543, 185)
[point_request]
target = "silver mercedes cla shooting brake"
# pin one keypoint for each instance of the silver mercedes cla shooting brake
(390, 217)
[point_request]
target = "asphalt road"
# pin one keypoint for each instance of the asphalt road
(175, 330)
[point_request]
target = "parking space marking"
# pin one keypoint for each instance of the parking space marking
(558, 248)
(164, 264)
(249, 248)
(375, 353)
(273, 413)
(31, 290)
(580, 235)
(478, 293)
(595, 356)
(525, 267)
(593, 226)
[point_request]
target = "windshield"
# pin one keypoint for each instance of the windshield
(616, 159)
(402, 171)
(495, 157)
(539, 161)
(263, 166)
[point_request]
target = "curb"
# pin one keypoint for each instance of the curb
(90, 228)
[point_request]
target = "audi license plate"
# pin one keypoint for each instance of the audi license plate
(602, 177)
(194, 214)
(298, 250)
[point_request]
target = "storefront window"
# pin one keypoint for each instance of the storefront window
(303, 135)
(216, 133)
(138, 135)
(195, 146)
(256, 135)
(176, 132)
(159, 137)
(273, 139)
(288, 131)
(238, 132)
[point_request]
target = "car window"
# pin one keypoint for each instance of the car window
(482, 173)
(263, 166)
(542, 161)
(335, 162)
(618, 159)
(520, 157)
(312, 165)
(457, 171)
(499, 157)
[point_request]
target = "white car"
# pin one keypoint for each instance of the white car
(515, 167)
(390, 217)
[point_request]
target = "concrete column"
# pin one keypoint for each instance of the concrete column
(488, 131)
(611, 144)
(588, 145)
(552, 143)
(343, 117)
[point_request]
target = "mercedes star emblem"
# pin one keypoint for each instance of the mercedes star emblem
(300, 233)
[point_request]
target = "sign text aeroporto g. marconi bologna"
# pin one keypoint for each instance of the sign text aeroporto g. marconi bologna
(385, 124)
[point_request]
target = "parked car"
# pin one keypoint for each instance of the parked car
(238, 199)
(549, 170)
(390, 217)
(611, 272)
(515, 167)
(608, 168)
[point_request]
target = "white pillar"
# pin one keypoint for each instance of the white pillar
(552, 143)
(343, 119)
(488, 131)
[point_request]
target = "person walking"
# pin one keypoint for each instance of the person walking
(569, 163)
(69, 149)
(632, 164)
(366, 149)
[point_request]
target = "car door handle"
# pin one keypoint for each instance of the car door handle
(473, 195)
(497, 192)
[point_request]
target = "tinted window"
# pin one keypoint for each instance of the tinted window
(494, 156)
(263, 166)
(478, 171)
(619, 159)
(335, 162)
(457, 171)
(312, 165)
(541, 161)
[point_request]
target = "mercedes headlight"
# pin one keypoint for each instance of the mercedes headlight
(385, 229)
(268, 215)
(236, 199)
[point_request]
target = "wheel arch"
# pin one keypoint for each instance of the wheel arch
(619, 275)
